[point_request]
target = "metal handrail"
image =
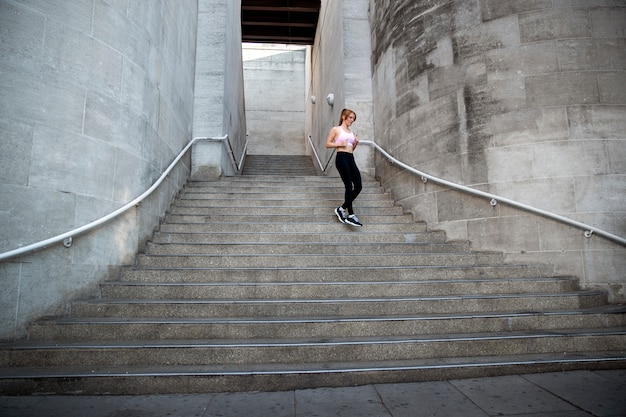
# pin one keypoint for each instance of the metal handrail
(231, 153)
(495, 199)
(322, 167)
(67, 237)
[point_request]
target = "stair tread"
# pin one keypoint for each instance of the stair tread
(329, 319)
(581, 293)
(330, 283)
(354, 340)
(304, 368)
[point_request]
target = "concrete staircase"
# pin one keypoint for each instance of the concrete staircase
(251, 283)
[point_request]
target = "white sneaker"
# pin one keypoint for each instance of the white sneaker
(341, 214)
(352, 220)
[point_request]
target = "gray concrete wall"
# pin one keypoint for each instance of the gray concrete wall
(96, 101)
(274, 77)
(340, 65)
(219, 107)
(521, 99)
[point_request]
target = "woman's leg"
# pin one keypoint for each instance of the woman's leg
(351, 178)
(357, 185)
(342, 163)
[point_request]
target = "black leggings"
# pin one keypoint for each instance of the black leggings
(351, 177)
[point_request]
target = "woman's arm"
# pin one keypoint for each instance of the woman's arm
(330, 140)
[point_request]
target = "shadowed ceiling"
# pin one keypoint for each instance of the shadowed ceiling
(279, 21)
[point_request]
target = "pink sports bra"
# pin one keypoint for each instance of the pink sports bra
(347, 137)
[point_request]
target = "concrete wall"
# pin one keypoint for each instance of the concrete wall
(340, 65)
(219, 90)
(274, 77)
(96, 101)
(521, 99)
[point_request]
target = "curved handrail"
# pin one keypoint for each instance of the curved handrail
(322, 167)
(589, 230)
(90, 226)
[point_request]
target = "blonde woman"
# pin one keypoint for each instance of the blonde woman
(345, 142)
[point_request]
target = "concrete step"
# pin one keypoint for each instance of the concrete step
(336, 186)
(391, 212)
(294, 203)
(313, 290)
(279, 178)
(323, 327)
(297, 260)
(339, 236)
(341, 307)
(168, 379)
(128, 329)
(280, 352)
(283, 197)
(324, 274)
(293, 216)
(273, 227)
(387, 210)
(326, 216)
(281, 181)
(292, 248)
(313, 185)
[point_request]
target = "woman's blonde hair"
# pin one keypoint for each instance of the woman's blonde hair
(345, 113)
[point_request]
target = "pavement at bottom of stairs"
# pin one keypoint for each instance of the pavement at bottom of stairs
(562, 394)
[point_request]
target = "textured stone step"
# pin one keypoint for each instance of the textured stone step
(336, 350)
(151, 379)
(128, 329)
(322, 274)
(296, 260)
(272, 227)
(313, 290)
(302, 213)
(284, 198)
(294, 216)
(304, 248)
(339, 235)
(295, 203)
(315, 184)
(282, 181)
(260, 191)
(341, 307)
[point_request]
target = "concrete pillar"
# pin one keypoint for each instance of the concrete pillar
(521, 99)
(219, 108)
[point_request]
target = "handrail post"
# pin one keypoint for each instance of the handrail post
(319, 162)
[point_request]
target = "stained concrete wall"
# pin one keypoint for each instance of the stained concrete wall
(219, 107)
(521, 99)
(274, 77)
(340, 65)
(96, 101)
